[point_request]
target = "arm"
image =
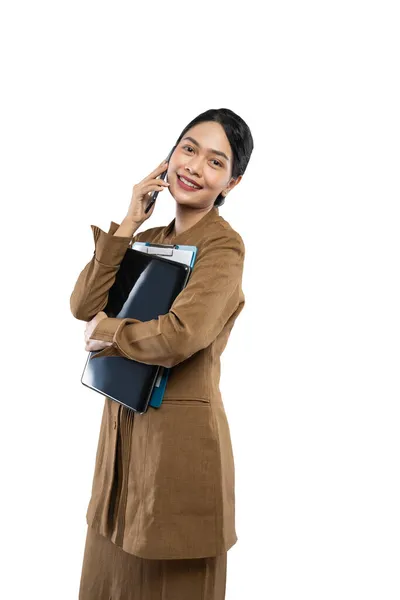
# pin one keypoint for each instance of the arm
(196, 317)
(90, 294)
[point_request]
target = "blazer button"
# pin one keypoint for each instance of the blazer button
(115, 424)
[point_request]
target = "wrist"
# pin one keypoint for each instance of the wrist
(130, 220)
(127, 228)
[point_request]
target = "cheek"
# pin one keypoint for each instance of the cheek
(178, 159)
(215, 180)
(173, 164)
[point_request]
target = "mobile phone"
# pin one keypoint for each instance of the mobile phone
(163, 175)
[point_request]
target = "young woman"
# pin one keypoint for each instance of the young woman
(161, 517)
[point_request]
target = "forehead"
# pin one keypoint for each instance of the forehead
(210, 135)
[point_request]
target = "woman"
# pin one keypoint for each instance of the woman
(161, 517)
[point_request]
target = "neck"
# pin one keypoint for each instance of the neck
(186, 217)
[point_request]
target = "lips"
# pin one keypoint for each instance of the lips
(191, 180)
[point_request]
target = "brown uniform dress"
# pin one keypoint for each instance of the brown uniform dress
(163, 486)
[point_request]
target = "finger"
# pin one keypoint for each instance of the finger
(160, 169)
(153, 188)
(150, 185)
(157, 182)
(155, 185)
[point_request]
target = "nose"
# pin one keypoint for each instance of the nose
(194, 165)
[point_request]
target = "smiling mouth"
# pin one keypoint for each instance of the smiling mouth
(186, 186)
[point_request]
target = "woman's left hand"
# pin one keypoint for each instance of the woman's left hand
(94, 345)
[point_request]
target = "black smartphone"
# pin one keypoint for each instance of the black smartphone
(163, 175)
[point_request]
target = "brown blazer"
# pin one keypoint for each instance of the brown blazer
(181, 484)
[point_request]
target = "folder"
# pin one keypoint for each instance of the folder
(145, 287)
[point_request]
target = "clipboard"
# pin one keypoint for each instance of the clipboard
(180, 253)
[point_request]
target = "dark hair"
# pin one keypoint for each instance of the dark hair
(238, 134)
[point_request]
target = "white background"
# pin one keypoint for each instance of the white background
(93, 96)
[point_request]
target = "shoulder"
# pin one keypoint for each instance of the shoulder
(221, 244)
(221, 233)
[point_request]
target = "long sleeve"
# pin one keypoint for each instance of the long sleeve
(196, 317)
(90, 294)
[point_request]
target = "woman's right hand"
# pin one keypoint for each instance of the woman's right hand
(142, 192)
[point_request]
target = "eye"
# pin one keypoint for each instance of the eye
(186, 147)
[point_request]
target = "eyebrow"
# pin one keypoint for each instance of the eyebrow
(210, 149)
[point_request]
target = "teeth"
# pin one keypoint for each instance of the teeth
(188, 183)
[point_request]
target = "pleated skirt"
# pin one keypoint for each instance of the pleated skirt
(110, 573)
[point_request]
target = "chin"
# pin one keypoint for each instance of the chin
(189, 199)
(182, 197)
(187, 202)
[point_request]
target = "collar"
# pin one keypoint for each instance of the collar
(186, 235)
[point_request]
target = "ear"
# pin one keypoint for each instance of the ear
(231, 185)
